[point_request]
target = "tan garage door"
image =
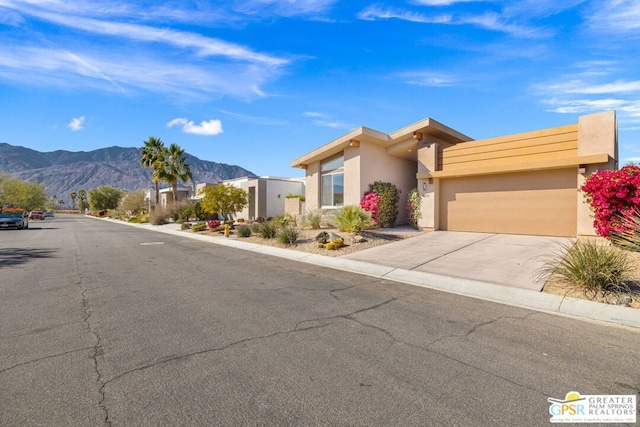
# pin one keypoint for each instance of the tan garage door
(541, 203)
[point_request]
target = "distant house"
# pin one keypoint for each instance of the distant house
(266, 194)
(166, 195)
(521, 184)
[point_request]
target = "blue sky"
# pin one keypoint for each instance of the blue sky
(258, 83)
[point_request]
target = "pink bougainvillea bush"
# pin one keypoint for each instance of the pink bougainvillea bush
(213, 223)
(612, 196)
(371, 203)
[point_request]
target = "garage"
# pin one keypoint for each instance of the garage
(537, 203)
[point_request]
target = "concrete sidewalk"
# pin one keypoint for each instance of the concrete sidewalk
(372, 265)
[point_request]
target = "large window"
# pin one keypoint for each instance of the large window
(332, 182)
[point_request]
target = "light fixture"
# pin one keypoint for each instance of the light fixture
(417, 135)
(424, 186)
(354, 143)
(582, 168)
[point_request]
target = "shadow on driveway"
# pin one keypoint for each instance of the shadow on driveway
(10, 257)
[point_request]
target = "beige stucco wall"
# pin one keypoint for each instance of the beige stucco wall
(312, 186)
(597, 133)
(377, 165)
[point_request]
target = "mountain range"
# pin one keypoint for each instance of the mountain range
(65, 171)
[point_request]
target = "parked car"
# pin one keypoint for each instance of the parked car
(17, 220)
(36, 215)
(48, 214)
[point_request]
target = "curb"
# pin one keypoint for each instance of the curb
(548, 303)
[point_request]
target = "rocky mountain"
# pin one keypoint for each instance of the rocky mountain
(65, 171)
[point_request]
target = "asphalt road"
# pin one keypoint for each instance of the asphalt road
(104, 324)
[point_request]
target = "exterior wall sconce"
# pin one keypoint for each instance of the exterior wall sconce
(302, 166)
(582, 169)
(417, 135)
(354, 143)
(424, 186)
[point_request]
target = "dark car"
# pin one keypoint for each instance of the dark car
(48, 214)
(36, 215)
(17, 220)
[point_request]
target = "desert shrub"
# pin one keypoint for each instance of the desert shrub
(389, 198)
(268, 230)
(288, 235)
(213, 223)
(243, 231)
(595, 268)
(284, 221)
(628, 235)
(159, 216)
(185, 226)
(612, 194)
(255, 227)
(313, 219)
(296, 196)
(198, 226)
(134, 220)
(190, 211)
(352, 219)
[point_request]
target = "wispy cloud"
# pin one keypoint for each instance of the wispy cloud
(327, 121)
(427, 78)
(286, 8)
(489, 20)
(375, 12)
(206, 127)
(190, 64)
(615, 16)
(245, 118)
(76, 123)
(442, 2)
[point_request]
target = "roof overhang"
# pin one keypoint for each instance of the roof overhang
(401, 143)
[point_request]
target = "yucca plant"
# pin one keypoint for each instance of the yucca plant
(313, 219)
(352, 219)
(268, 230)
(593, 267)
(628, 237)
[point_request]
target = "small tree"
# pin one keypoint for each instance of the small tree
(73, 196)
(104, 197)
(27, 195)
(224, 199)
(134, 201)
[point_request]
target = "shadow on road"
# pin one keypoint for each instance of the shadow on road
(17, 256)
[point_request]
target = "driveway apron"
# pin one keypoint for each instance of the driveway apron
(503, 259)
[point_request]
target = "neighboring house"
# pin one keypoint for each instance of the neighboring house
(520, 184)
(266, 194)
(166, 195)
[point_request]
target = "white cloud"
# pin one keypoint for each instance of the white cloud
(441, 2)
(427, 78)
(206, 127)
(286, 8)
(313, 114)
(76, 123)
(375, 12)
(615, 16)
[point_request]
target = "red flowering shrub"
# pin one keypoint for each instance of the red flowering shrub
(213, 223)
(371, 203)
(612, 196)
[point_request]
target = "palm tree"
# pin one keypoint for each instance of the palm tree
(175, 168)
(152, 156)
(82, 196)
(73, 196)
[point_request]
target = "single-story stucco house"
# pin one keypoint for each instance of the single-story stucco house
(266, 194)
(525, 183)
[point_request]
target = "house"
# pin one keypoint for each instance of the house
(266, 194)
(166, 195)
(519, 184)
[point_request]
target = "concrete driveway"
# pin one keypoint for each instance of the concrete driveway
(503, 259)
